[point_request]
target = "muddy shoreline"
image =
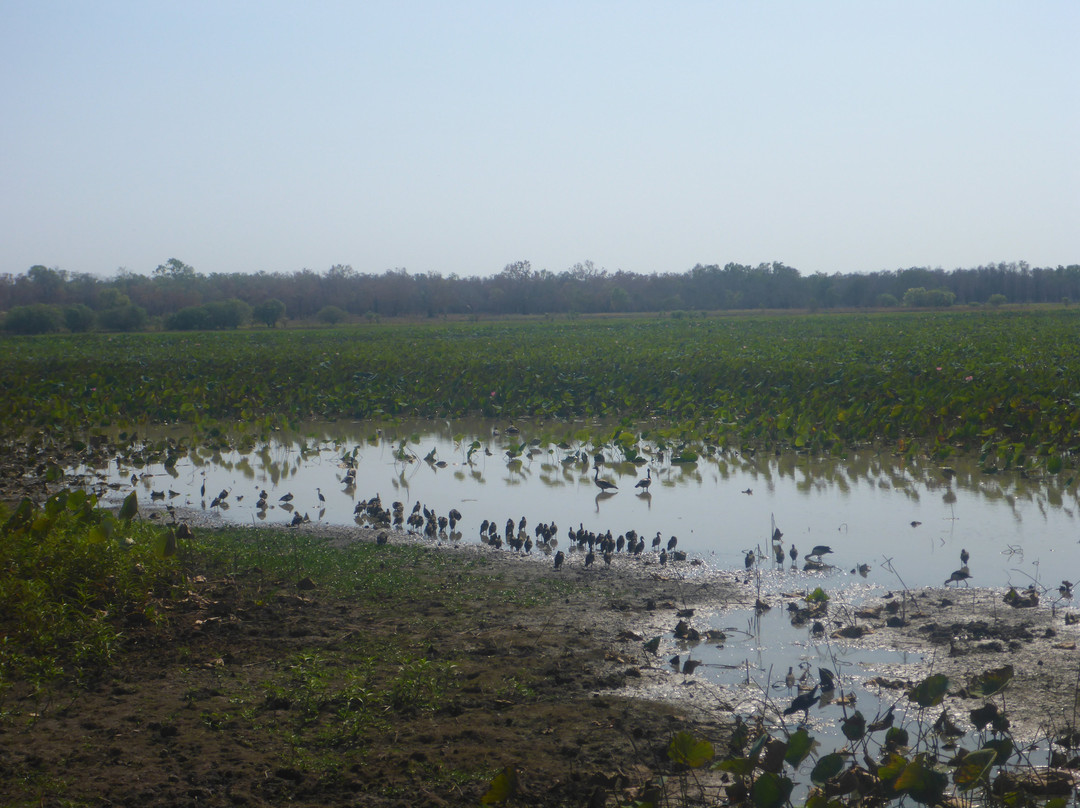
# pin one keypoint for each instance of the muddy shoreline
(961, 632)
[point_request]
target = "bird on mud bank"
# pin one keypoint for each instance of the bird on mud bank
(959, 575)
(603, 485)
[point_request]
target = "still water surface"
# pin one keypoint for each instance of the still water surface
(907, 519)
(904, 521)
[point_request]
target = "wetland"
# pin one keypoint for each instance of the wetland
(264, 653)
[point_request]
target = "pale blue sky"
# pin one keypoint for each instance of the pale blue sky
(457, 137)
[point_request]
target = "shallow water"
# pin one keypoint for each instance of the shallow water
(907, 520)
(889, 521)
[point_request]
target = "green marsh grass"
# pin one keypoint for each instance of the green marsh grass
(1003, 382)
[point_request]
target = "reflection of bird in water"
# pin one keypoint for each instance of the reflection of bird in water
(959, 575)
(644, 484)
(964, 556)
(802, 703)
(603, 485)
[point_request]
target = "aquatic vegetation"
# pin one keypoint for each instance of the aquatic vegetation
(1004, 383)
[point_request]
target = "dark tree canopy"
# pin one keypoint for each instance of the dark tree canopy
(175, 295)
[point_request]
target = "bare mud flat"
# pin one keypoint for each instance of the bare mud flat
(565, 695)
(965, 633)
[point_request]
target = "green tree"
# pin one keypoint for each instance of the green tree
(123, 318)
(189, 318)
(37, 318)
(78, 318)
(175, 269)
(997, 300)
(332, 315)
(269, 312)
(231, 313)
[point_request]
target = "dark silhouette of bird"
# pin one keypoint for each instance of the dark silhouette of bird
(819, 550)
(803, 702)
(789, 680)
(777, 535)
(644, 484)
(320, 494)
(749, 559)
(793, 554)
(559, 559)
(656, 541)
(825, 677)
(672, 542)
(964, 556)
(884, 722)
(286, 498)
(689, 666)
(1065, 590)
(779, 553)
(603, 485)
(663, 557)
(959, 575)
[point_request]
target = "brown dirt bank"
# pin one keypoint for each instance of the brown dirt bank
(212, 708)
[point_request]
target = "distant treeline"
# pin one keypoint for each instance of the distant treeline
(176, 296)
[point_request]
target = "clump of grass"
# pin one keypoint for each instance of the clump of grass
(73, 577)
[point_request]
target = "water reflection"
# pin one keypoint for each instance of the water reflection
(905, 519)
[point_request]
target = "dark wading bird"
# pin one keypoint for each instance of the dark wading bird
(818, 551)
(644, 484)
(603, 485)
(802, 703)
(964, 556)
(559, 558)
(959, 575)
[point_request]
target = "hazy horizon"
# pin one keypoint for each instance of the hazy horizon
(246, 137)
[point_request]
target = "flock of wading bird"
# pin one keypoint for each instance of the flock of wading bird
(544, 538)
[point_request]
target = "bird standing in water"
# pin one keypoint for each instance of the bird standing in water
(603, 485)
(803, 703)
(644, 484)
